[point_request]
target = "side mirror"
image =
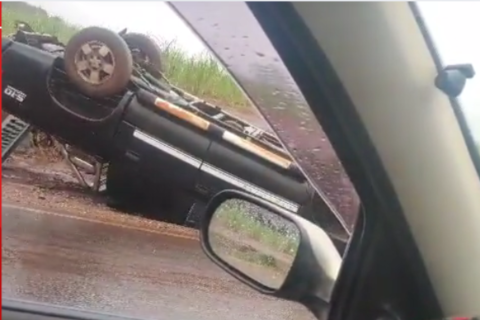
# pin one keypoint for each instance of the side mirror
(270, 249)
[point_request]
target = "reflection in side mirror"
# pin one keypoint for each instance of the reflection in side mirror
(271, 250)
(254, 240)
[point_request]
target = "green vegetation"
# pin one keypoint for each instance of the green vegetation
(248, 227)
(235, 232)
(228, 247)
(199, 75)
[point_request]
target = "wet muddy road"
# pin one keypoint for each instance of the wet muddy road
(70, 260)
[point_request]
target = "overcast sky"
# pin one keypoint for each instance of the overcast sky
(150, 17)
(455, 26)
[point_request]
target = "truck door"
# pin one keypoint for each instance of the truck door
(227, 166)
(164, 149)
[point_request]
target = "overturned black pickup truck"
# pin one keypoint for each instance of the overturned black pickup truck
(104, 97)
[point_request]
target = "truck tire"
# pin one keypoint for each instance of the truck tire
(98, 61)
(149, 54)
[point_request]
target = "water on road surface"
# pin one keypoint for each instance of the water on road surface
(68, 260)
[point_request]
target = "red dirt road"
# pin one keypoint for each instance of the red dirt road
(62, 246)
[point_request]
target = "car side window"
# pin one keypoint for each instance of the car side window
(455, 44)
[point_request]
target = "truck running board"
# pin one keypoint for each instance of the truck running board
(14, 131)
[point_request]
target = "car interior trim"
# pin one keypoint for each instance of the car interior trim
(389, 32)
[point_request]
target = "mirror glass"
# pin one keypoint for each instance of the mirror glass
(255, 241)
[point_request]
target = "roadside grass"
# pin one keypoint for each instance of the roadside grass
(199, 75)
(226, 247)
(246, 225)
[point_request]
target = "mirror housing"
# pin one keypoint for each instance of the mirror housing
(315, 267)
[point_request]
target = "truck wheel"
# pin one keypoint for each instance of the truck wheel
(98, 62)
(145, 52)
